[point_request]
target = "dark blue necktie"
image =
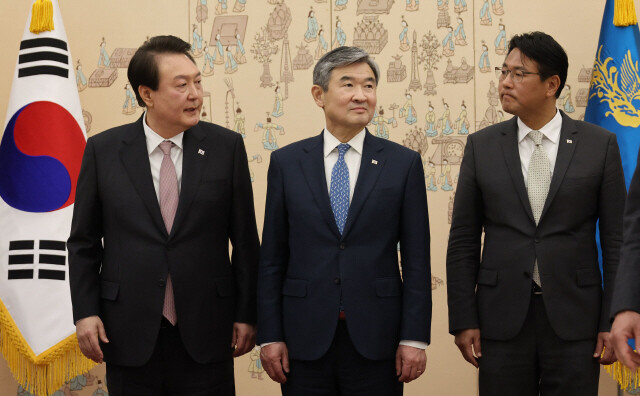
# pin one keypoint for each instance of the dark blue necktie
(339, 191)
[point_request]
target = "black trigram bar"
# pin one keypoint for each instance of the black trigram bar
(43, 42)
(52, 259)
(21, 274)
(20, 259)
(53, 245)
(50, 274)
(43, 56)
(37, 70)
(21, 245)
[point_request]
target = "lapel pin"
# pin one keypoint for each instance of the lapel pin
(569, 141)
(374, 162)
(201, 151)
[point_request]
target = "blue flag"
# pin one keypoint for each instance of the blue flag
(614, 104)
(614, 92)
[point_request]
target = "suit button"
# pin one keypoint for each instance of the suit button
(162, 283)
(527, 275)
(336, 281)
(537, 240)
(342, 246)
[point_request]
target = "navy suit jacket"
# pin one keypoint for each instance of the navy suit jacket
(307, 267)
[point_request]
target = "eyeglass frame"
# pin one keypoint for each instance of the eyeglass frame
(503, 73)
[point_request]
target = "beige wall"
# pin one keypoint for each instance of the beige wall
(126, 24)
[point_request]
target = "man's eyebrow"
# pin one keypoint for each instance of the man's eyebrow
(349, 78)
(184, 76)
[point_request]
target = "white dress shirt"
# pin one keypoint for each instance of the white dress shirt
(156, 155)
(550, 139)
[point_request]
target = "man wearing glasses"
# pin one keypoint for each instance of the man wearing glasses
(528, 307)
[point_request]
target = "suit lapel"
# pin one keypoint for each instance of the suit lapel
(194, 155)
(509, 144)
(563, 158)
(135, 158)
(370, 168)
(312, 164)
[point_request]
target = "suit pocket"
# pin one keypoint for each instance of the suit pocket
(388, 287)
(294, 288)
(588, 277)
(487, 277)
(225, 287)
(570, 182)
(109, 290)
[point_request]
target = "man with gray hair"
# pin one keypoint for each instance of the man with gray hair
(335, 314)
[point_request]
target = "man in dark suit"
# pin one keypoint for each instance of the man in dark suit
(154, 292)
(335, 315)
(530, 302)
(626, 296)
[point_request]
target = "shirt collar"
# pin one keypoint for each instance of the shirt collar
(153, 139)
(331, 142)
(551, 130)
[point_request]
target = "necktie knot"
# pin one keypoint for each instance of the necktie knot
(166, 147)
(342, 149)
(537, 137)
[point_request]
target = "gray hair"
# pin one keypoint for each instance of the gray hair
(339, 57)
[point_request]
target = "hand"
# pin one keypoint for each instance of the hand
(604, 342)
(88, 330)
(626, 325)
(275, 359)
(468, 341)
(243, 338)
(410, 363)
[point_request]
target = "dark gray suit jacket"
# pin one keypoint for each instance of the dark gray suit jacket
(626, 295)
(120, 252)
(489, 287)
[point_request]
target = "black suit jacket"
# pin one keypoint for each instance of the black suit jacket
(120, 252)
(307, 267)
(626, 295)
(489, 287)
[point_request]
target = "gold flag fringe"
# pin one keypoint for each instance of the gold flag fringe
(623, 375)
(41, 16)
(624, 13)
(41, 375)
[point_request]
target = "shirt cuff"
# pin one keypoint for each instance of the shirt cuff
(415, 344)
(269, 343)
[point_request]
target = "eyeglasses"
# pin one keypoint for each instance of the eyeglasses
(516, 75)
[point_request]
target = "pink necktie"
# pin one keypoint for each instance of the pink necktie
(168, 206)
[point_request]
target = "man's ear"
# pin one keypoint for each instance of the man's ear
(553, 83)
(318, 95)
(145, 94)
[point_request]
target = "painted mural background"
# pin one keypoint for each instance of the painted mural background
(437, 85)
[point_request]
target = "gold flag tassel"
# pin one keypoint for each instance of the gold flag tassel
(623, 375)
(41, 375)
(41, 16)
(624, 13)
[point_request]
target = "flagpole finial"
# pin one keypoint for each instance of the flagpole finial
(624, 13)
(41, 16)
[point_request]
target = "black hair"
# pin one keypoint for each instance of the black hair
(546, 52)
(143, 67)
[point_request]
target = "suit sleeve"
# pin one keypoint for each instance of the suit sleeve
(274, 257)
(416, 261)
(463, 252)
(626, 294)
(85, 240)
(243, 235)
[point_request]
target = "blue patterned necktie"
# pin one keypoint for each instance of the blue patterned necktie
(339, 191)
